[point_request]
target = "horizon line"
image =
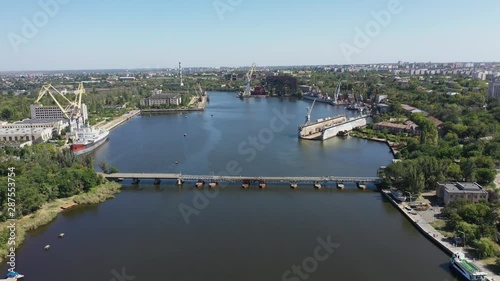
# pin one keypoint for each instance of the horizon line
(247, 66)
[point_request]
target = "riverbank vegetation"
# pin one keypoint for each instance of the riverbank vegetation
(46, 178)
(465, 148)
(475, 224)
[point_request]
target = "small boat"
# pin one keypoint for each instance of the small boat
(185, 135)
(466, 268)
(14, 275)
(398, 195)
(212, 184)
(200, 183)
(317, 185)
(293, 185)
(176, 162)
(46, 247)
(361, 186)
(61, 235)
(340, 185)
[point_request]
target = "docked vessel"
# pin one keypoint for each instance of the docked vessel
(398, 195)
(318, 98)
(466, 268)
(87, 139)
(332, 126)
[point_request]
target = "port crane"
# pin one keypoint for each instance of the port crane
(309, 110)
(72, 110)
(337, 93)
(200, 91)
(248, 80)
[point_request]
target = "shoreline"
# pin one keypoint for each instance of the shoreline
(49, 211)
(119, 120)
(389, 144)
(432, 234)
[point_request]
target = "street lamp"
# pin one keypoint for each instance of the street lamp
(464, 237)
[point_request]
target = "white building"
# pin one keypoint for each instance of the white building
(494, 88)
(25, 134)
(55, 125)
(162, 99)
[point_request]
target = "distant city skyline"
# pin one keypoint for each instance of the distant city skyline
(47, 35)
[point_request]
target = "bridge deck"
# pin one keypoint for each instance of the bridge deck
(208, 178)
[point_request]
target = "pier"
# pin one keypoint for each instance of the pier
(244, 180)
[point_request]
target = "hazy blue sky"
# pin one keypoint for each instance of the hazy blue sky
(95, 34)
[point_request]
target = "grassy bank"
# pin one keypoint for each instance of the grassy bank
(49, 212)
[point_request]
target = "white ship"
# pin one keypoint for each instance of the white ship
(87, 139)
(466, 268)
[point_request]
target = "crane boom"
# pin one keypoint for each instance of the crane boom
(248, 80)
(72, 109)
(309, 110)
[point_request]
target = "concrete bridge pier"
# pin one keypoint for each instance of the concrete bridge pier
(135, 181)
(317, 185)
(200, 183)
(262, 184)
(157, 182)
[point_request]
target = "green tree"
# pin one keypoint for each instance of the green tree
(486, 247)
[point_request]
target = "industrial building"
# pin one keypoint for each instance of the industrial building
(25, 134)
(52, 112)
(470, 191)
(162, 99)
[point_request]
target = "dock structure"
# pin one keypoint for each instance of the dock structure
(245, 180)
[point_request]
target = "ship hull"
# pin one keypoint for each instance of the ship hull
(318, 131)
(345, 126)
(311, 98)
(83, 148)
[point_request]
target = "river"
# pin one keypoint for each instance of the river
(169, 233)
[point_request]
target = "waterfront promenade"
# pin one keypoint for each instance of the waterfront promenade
(420, 221)
(119, 120)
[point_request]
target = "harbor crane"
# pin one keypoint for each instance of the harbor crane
(248, 80)
(337, 93)
(200, 91)
(72, 110)
(309, 110)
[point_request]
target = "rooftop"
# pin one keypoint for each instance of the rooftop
(463, 187)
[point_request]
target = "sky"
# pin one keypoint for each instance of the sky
(127, 34)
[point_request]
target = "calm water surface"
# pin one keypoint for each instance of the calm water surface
(235, 234)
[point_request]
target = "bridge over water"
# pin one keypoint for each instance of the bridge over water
(215, 179)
